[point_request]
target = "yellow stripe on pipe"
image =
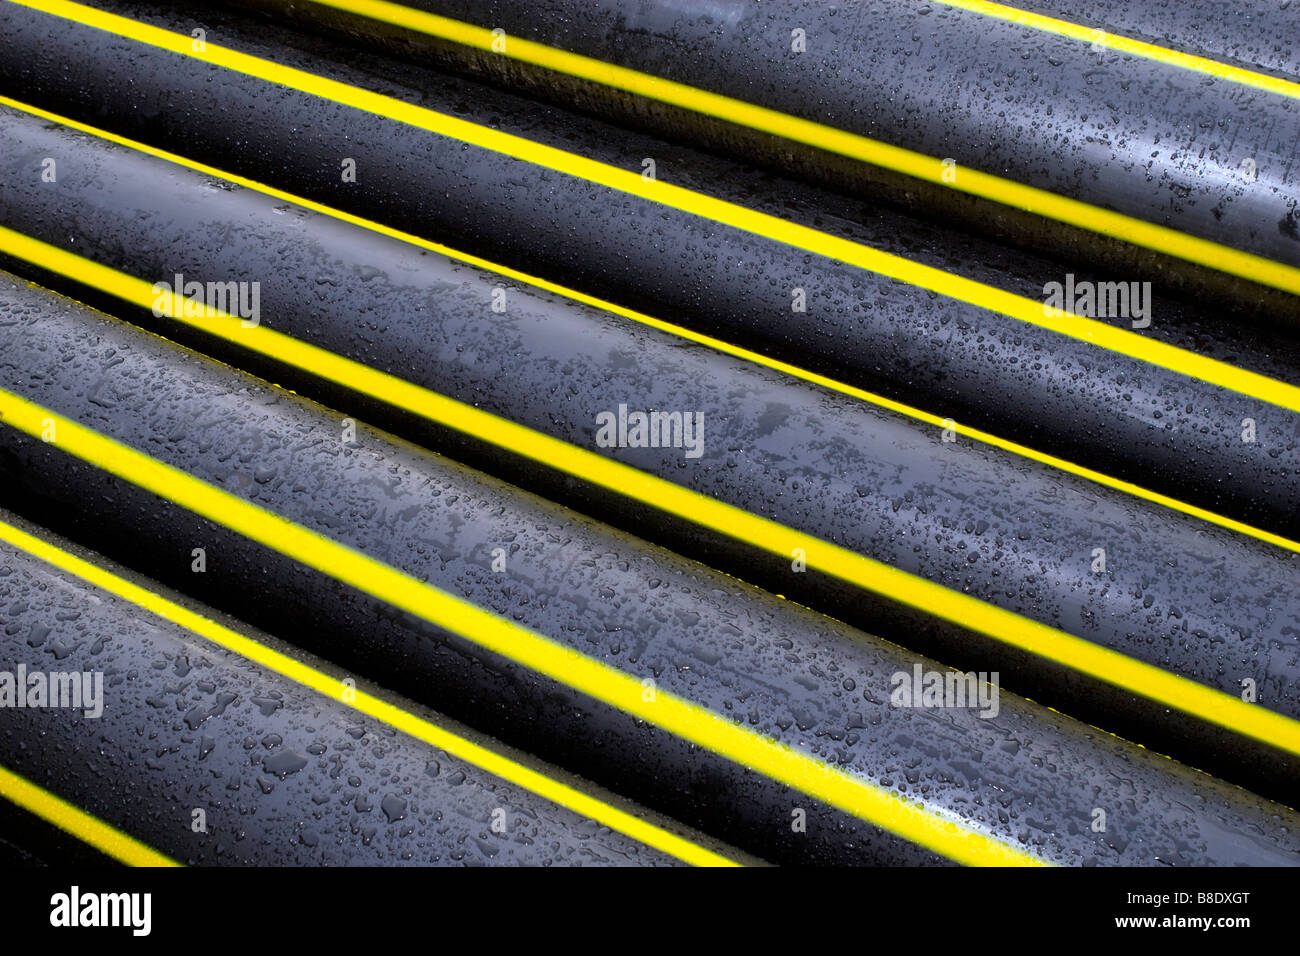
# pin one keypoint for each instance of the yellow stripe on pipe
(1092, 331)
(721, 735)
(72, 820)
(375, 707)
(1120, 44)
(865, 149)
(934, 599)
(716, 344)
(623, 78)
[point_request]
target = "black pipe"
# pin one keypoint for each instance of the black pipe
(1009, 531)
(1159, 143)
(1255, 34)
(209, 758)
(1136, 421)
(1025, 773)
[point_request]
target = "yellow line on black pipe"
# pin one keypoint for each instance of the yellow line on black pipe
(719, 734)
(76, 822)
(1092, 331)
(875, 152)
(1098, 662)
(1094, 36)
(728, 348)
(420, 728)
